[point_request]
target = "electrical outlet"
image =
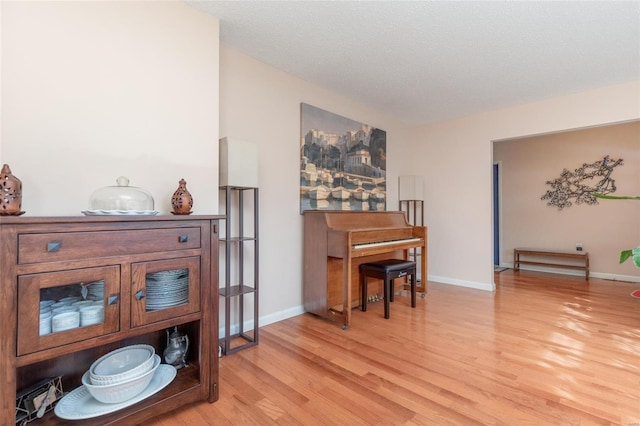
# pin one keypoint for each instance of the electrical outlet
(578, 246)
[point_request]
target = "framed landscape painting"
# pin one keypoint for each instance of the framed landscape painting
(342, 163)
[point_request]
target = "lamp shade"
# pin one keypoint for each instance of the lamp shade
(238, 163)
(410, 187)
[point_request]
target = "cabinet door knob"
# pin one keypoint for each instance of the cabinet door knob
(53, 246)
(183, 238)
(140, 295)
(112, 300)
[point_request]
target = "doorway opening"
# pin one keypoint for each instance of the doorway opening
(496, 218)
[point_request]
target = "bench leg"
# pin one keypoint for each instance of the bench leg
(586, 266)
(363, 304)
(387, 285)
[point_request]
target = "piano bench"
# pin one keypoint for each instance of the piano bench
(388, 270)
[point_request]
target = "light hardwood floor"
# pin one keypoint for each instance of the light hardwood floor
(543, 349)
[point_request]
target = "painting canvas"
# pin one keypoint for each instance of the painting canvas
(342, 163)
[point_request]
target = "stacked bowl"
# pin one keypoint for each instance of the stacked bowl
(122, 374)
(45, 316)
(69, 313)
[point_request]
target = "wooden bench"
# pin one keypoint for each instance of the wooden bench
(581, 259)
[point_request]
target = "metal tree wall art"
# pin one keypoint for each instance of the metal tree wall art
(582, 183)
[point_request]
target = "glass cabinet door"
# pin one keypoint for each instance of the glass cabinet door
(163, 289)
(59, 308)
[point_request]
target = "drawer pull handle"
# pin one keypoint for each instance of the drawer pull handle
(183, 238)
(54, 246)
(140, 295)
(112, 300)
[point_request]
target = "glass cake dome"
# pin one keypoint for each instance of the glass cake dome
(122, 197)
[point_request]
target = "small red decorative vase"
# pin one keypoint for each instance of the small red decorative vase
(182, 201)
(10, 193)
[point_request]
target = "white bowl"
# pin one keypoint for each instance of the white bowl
(121, 378)
(45, 325)
(65, 321)
(122, 364)
(82, 303)
(120, 392)
(46, 303)
(90, 315)
(59, 305)
(62, 309)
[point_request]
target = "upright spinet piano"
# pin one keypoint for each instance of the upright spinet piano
(337, 242)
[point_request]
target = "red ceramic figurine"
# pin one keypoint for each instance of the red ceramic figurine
(182, 201)
(10, 193)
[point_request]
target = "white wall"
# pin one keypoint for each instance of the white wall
(604, 229)
(261, 104)
(95, 90)
(456, 157)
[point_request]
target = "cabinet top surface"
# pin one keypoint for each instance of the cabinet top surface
(17, 220)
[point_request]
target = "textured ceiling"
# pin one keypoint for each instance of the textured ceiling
(426, 61)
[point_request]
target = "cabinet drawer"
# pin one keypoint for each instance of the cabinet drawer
(36, 248)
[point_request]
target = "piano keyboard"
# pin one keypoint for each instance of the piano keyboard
(385, 243)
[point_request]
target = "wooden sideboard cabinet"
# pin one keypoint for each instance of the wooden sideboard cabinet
(112, 261)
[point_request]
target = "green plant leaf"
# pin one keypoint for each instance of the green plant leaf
(614, 197)
(624, 255)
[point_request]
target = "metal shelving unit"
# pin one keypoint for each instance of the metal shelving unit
(241, 266)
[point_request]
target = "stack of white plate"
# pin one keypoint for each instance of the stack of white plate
(122, 374)
(95, 290)
(166, 289)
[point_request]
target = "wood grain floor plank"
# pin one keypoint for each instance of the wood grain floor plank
(543, 349)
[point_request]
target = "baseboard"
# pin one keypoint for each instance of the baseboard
(462, 283)
(614, 277)
(281, 315)
(602, 275)
(265, 320)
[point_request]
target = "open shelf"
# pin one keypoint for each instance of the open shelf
(240, 243)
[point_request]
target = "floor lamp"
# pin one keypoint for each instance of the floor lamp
(411, 195)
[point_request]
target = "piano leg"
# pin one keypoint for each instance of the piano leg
(413, 290)
(346, 295)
